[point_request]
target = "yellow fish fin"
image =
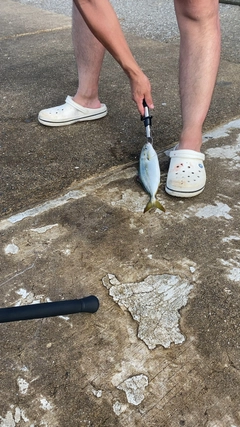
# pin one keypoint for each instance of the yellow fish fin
(158, 205)
(154, 204)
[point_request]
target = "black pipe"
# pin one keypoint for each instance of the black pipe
(37, 311)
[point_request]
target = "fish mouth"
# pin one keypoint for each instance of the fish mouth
(150, 140)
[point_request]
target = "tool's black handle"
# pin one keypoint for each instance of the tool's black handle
(37, 311)
(144, 103)
(147, 119)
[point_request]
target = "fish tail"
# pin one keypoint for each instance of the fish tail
(154, 204)
(159, 206)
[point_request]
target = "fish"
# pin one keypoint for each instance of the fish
(149, 175)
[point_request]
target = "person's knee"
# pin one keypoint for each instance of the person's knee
(197, 10)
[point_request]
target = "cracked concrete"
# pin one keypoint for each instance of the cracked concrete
(154, 303)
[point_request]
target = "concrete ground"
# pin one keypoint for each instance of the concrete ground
(163, 349)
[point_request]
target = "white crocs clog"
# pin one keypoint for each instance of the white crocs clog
(186, 175)
(70, 113)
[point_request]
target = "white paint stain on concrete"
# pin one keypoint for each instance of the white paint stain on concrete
(22, 385)
(11, 249)
(66, 251)
(231, 153)
(230, 238)
(24, 369)
(228, 152)
(222, 131)
(119, 408)
(210, 211)
(23, 416)
(64, 317)
(97, 393)
(42, 230)
(23, 293)
(134, 388)
(13, 418)
(154, 303)
(45, 404)
(8, 421)
(233, 267)
(17, 415)
(234, 274)
(45, 207)
(27, 297)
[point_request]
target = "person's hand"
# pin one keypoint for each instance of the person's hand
(141, 89)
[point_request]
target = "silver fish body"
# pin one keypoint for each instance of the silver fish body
(149, 173)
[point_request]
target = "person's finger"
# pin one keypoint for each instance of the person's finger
(139, 102)
(149, 101)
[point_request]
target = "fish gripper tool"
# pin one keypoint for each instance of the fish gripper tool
(147, 119)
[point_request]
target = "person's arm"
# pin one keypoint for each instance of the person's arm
(103, 22)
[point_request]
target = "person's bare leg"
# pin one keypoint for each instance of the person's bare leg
(199, 27)
(89, 54)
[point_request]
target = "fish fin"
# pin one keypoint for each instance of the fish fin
(148, 206)
(158, 205)
(154, 204)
